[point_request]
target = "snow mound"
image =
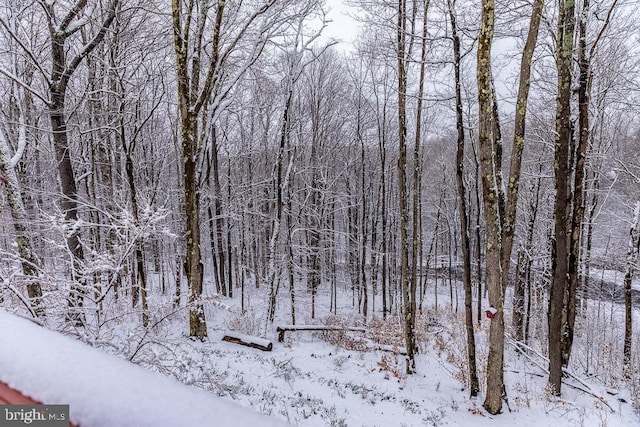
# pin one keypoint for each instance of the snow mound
(103, 390)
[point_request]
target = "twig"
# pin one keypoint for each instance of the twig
(22, 299)
(521, 347)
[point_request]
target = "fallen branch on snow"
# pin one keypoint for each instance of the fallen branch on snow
(248, 340)
(524, 349)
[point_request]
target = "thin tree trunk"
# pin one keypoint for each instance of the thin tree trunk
(280, 185)
(220, 256)
(409, 314)
(29, 262)
(363, 223)
(632, 256)
(577, 203)
(383, 236)
(474, 385)
(519, 295)
(478, 236)
(416, 184)
(139, 287)
(509, 220)
(523, 286)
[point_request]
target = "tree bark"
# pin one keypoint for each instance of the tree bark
(633, 248)
(61, 72)
(28, 260)
(409, 314)
(490, 152)
(562, 169)
(513, 185)
(474, 385)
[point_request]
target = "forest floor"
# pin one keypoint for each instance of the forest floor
(341, 379)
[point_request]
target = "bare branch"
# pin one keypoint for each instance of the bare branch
(603, 29)
(26, 49)
(91, 45)
(31, 90)
(72, 14)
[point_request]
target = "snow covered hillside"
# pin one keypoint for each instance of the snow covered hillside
(312, 379)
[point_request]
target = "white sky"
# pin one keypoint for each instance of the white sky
(343, 28)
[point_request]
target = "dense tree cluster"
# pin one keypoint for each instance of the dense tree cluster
(202, 147)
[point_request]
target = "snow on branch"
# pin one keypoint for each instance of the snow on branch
(22, 84)
(26, 49)
(80, 22)
(22, 140)
(95, 41)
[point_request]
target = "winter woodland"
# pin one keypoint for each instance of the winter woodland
(440, 216)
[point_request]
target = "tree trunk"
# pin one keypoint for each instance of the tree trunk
(61, 72)
(416, 179)
(383, 231)
(28, 260)
(519, 289)
(474, 385)
(490, 153)
(409, 314)
(139, 287)
(632, 257)
(478, 235)
(219, 221)
(563, 143)
(578, 208)
(197, 320)
(281, 183)
(513, 186)
(69, 204)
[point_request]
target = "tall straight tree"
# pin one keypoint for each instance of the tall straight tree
(491, 196)
(500, 210)
(579, 148)
(403, 199)
(516, 158)
(562, 172)
(474, 386)
(232, 37)
(193, 94)
(416, 210)
(633, 248)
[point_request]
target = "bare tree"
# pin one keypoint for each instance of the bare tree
(474, 385)
(490, 150)
(61, 31)
(239, 36)
(516, 157)
(28, 260)
(563, 142)
(297, 59)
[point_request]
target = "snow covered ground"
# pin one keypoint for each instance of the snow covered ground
(612, 276)
(312, 379)
(102, 390)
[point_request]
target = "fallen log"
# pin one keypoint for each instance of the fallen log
(388, 348)
(248, 340)
(314, 328)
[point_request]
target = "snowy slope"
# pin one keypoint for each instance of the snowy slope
(103, 390)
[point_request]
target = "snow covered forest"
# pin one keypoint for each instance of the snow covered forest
(449, 202)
